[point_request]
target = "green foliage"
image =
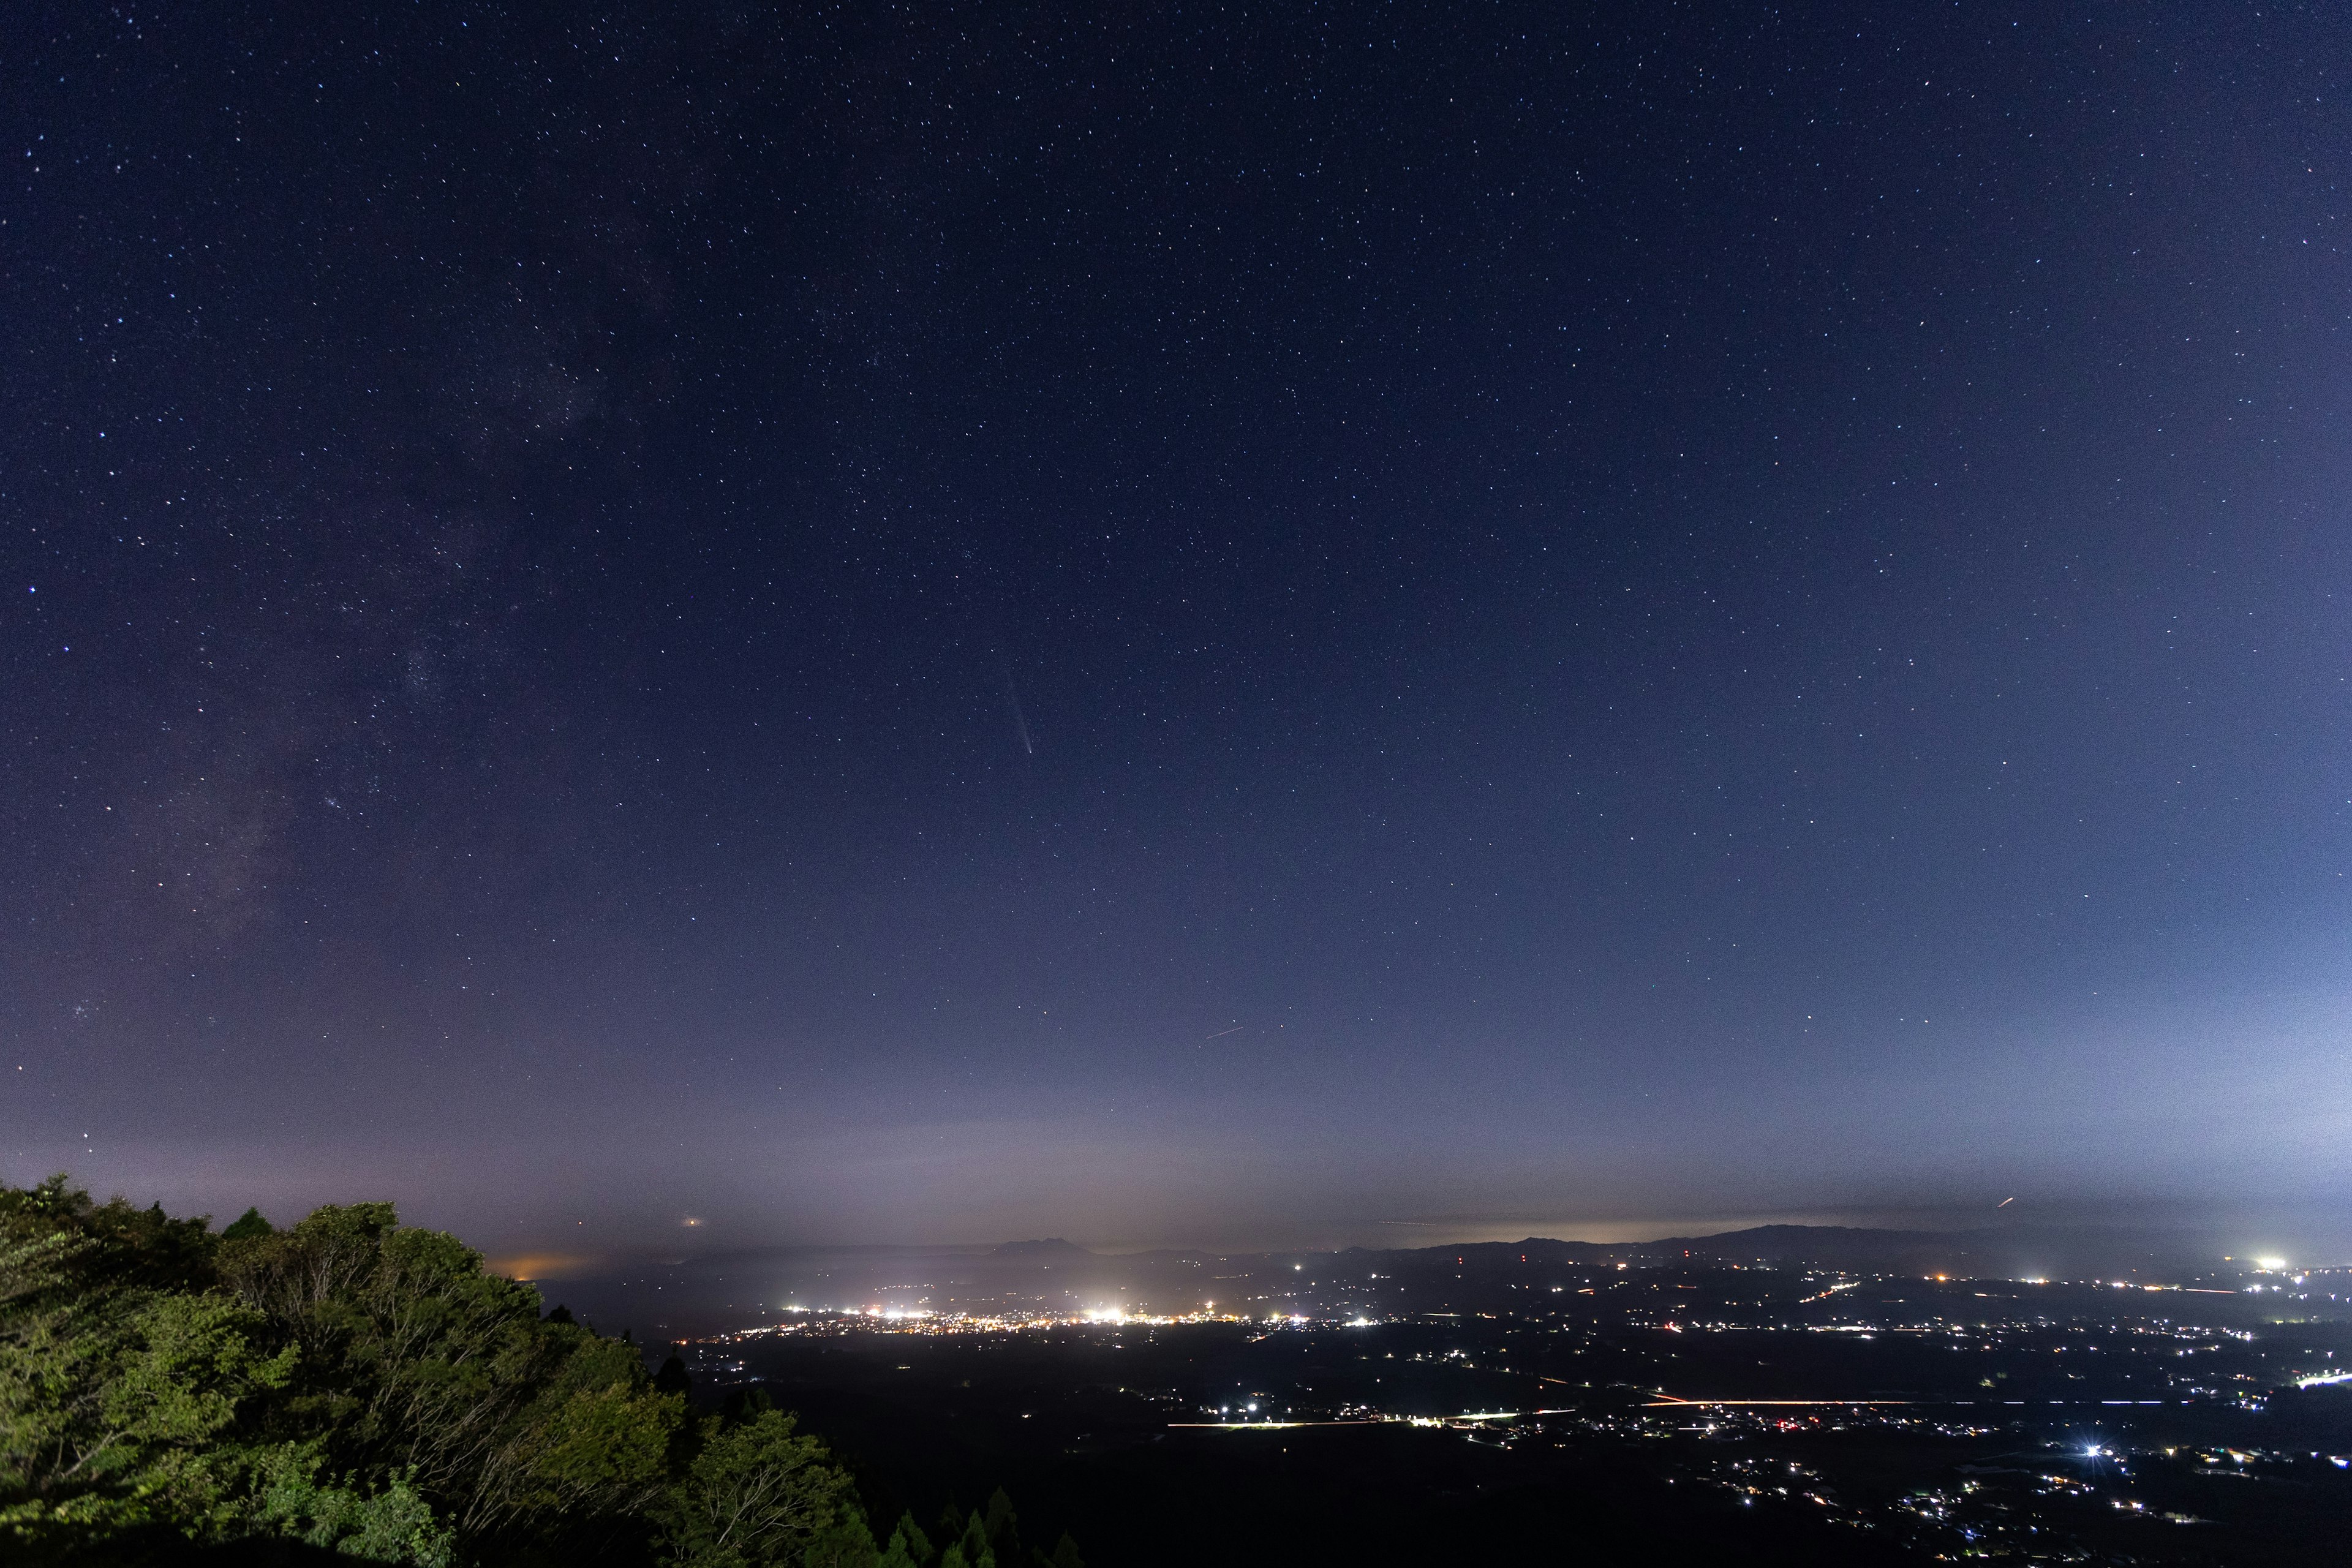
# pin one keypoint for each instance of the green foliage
(53, 1240)
(416, 1362)
(989, 1537)
(845, 1543)
(126, 1389)
(977, 1550)
(351, 1385)
(1003, 1530)
(393, 1525)
(908, 1547)
(753, 1494)
(125, 1418)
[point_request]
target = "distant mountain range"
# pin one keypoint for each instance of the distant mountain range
(2020, 1252)
(1052, 1275)
(1045, 1251)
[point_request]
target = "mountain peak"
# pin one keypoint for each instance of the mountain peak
(1051, 1247)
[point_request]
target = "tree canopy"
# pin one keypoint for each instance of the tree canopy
(358, 1389)
(353, 1386)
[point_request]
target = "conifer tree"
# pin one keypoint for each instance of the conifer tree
(909, 1546)
(846, 1543)
(1003, 1529)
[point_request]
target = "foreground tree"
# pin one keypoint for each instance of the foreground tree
(126, 1390)
(755, 1494)
(908, 1547)
(348, 1383)
(354, 1386)
(415, 1363)
(986, 1538)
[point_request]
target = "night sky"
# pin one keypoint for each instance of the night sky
(1177, 623)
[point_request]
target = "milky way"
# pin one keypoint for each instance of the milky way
(1677, 616)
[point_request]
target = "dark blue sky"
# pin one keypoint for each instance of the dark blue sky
(1197, 625)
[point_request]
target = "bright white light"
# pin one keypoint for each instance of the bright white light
(2269, 1262)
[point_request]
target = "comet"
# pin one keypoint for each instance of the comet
(1012, 696)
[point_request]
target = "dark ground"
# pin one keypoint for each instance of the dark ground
(1077, 1426)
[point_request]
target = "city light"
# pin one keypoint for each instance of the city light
(2008, 1326)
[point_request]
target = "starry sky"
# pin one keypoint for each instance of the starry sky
(1182, 623)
